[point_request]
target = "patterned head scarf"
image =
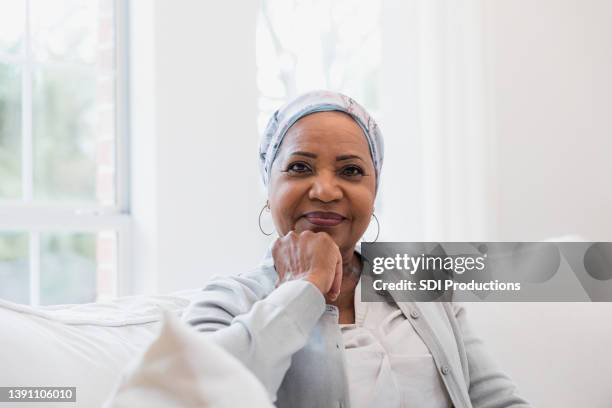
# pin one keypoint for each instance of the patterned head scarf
(311, 102)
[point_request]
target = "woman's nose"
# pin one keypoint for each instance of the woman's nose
(325, 188)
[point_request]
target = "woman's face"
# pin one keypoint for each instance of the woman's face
(323, 179)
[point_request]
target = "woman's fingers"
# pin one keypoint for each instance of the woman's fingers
(313, 256)
(335, 289)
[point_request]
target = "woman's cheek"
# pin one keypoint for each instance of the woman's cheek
(361, 226)
(282, 218)
(364, 212)
(283, 202)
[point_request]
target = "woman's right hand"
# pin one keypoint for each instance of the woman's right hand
(313, 256)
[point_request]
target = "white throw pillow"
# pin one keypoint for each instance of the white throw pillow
(182, 368)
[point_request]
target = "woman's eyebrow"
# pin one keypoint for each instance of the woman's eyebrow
(348, 157)
(307, 154)
(338, 158)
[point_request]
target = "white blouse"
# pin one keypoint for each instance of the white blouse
(388, 365)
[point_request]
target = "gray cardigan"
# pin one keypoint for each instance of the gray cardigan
(289, 338)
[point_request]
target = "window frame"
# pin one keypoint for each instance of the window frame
(25, 216)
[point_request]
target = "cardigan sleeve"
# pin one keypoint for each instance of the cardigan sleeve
(488, 386)
(260, 325)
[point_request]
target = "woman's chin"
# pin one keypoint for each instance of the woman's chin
(305, 225)
(336, 232)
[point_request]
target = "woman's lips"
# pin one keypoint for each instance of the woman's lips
(324, 219)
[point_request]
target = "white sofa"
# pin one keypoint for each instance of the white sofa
(89, 346)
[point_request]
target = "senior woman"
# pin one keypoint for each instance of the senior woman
(297, 320)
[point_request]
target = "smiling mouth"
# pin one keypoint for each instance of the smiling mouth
(324, 219)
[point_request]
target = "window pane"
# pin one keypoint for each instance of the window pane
(12, 26)
(74, 101)
(14, 267)
(70, 131)
(68, 30)
(10, 132)
(77, 267)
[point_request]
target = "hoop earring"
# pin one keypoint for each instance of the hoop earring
(377, 228)
(267, 206)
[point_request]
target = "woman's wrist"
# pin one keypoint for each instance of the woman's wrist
(317, 282)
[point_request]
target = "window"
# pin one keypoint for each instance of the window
(63, 189)
(314, 44)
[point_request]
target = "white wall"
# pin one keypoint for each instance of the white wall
(550, 111)
(549, 117)
(196, 194)
(520, 89)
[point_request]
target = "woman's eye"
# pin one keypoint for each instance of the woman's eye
(352, 171)
(298, 167)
